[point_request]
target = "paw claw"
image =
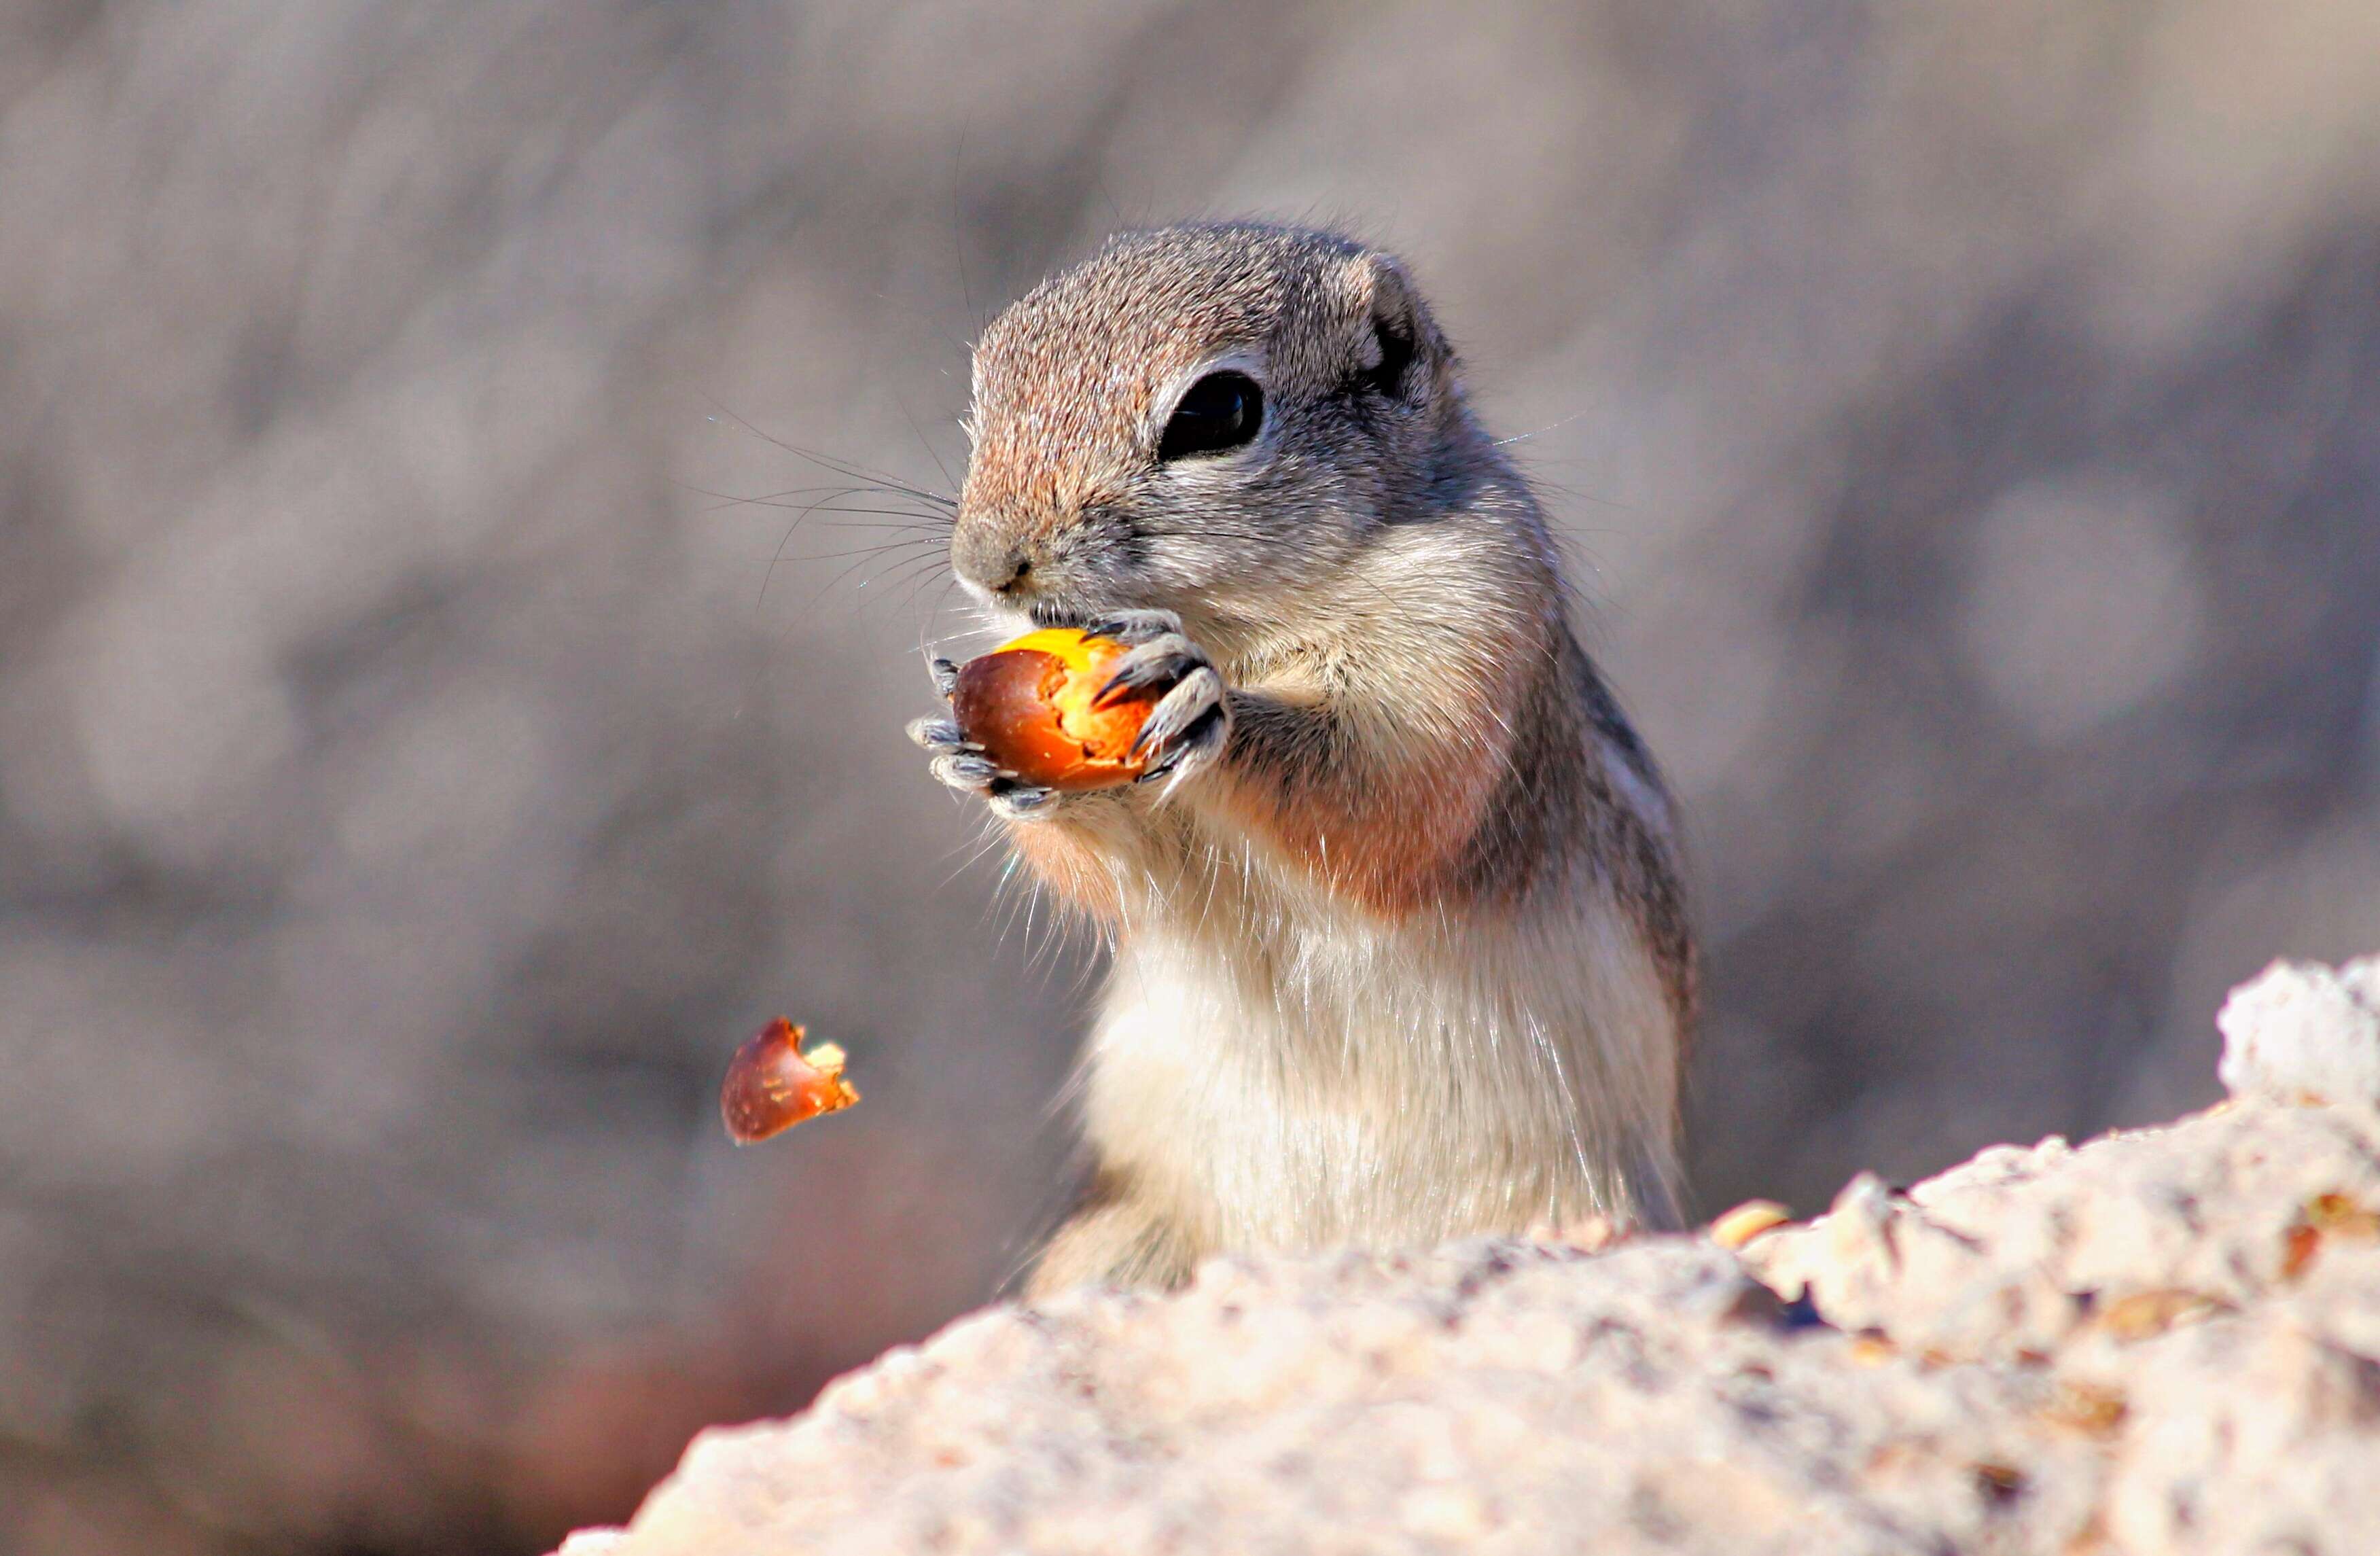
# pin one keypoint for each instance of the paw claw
(945, 673)
(961, 766)
(1133, 628)
(1164, 661)
(1186, 730)
(961, 770)
(1023, 802)
(940, 734)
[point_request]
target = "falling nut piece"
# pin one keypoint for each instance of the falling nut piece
(1035, 707)
(771, 1084)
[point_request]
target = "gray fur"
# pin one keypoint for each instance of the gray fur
(1400, 945)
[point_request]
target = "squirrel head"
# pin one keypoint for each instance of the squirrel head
(1210, 419)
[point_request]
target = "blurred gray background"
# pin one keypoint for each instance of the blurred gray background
(417, 773)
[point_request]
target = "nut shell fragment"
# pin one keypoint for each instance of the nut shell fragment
(1748, 1220)
(771, 1084)
(1034, 707)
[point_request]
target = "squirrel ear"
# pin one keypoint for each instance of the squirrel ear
(1396, 334)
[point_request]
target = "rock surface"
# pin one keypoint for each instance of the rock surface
(2300, 1029)
(2165, 1339)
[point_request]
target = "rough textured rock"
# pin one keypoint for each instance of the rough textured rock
(2208, 1293)
(2304, 1031)
(2165, 1339)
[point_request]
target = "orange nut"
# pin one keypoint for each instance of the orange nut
(1032, 706)
(771, 1084)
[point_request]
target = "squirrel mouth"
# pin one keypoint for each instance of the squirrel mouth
(1049, 612)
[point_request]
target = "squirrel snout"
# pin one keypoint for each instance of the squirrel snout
(997, 565)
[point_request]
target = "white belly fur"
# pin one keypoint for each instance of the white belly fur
(1283, 1074)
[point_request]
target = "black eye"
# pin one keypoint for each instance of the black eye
(1222, 411)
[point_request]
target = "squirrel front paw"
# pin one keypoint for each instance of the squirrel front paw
(962, 765)
(1187, 730)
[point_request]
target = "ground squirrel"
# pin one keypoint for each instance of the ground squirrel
(1399, 948)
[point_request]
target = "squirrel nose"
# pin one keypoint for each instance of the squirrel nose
(990, 562)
